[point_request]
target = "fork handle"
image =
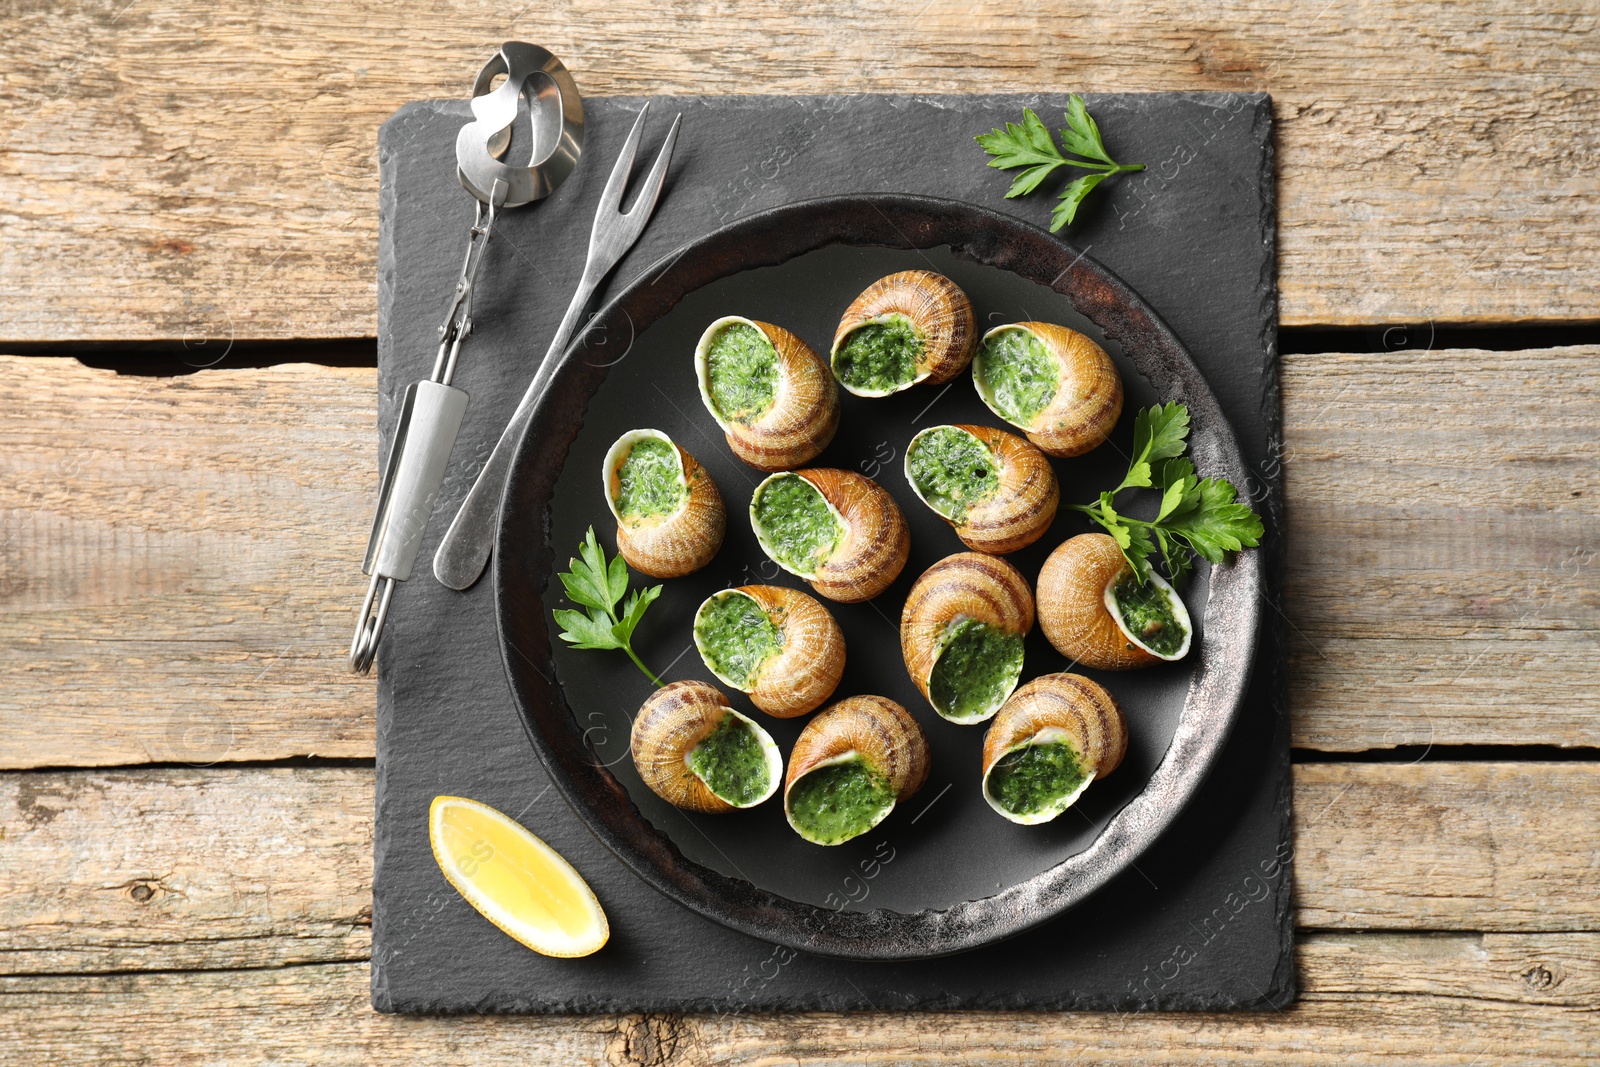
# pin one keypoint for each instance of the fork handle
(467, 544)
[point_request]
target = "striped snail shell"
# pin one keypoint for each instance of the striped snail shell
(670, 542)
(1081, 614)
(671, 724)
(780, 414)
(868, 543)
(967, 612)
(1068, 419)
(921, 326)
(778, 645)
(997, 490)
(1057, 709)
(866, 745)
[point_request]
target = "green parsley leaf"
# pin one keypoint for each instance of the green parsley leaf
(598, 586)
(1029, 145)
(1196, 516)
(1165, 432)
(1066, 211)
(633, 610)
(1082, 135)
(593, 630)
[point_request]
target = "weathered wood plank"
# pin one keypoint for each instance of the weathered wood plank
(184, 869)
(180, 556)
(188, 170)
(1444, 554)
(1447, 846)
(1456, 999)
(251, 867)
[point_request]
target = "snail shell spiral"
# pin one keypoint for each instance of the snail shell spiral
(1088, 396)
(803, 414)
(675, 544)
(807, 666)
(1076, 606)
(872, 548)
(939, 313)
(873, 729)
(1058, 709)
(671, 722)
(1023, 503)
(968, 585)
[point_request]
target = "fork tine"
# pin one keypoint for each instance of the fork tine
(650, 188)
(611, 198)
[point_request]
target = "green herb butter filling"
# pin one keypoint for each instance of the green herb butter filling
(741, 372)
(1035, 778)
(1146, 611)
(795, 524)
(975, 671)
(879, 356)
(839, 801)
(731, 762)
(952, 470)
(649, 480)
(736, 637)
(1017, 375)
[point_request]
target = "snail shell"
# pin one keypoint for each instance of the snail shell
(1023, 503)
(669, 725)
(968, 585)
(805, 669)
(1058, 709)
(1088, 396)
(873, 729)
(869, 554)
(672, 545)
(803, 414)
(1078, 608)
(938, 312)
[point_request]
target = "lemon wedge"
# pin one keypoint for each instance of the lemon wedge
(515, 880)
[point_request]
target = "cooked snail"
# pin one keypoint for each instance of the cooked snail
(1054, 383)
(1055, 736)
(996, 489)
(670, 518)
(773, 397)
(697, 753)
(836, 529)
(1095, 611)
(850, 766)
(777, 644)
(961, 634)
(907, 328)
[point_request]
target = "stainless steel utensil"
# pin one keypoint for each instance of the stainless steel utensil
(430, 416)
(468, 543)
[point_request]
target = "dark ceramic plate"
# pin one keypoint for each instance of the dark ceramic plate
(943, 873)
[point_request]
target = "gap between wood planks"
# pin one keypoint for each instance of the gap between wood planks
(168, 358)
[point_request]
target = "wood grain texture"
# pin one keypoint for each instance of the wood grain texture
(230, 868)
(1418, 1000)
(1444, 556)
(181, 556)
(181, 559)
(1447, 846)
(193, 171)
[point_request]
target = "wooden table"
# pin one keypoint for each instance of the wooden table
(186, 794)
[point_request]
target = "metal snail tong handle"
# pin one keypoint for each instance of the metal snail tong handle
(431, 414)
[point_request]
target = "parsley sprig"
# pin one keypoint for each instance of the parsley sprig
(1029, 145)
(1198, 515)
(599, 587)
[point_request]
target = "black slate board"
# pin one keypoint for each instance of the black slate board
(1203, 922)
